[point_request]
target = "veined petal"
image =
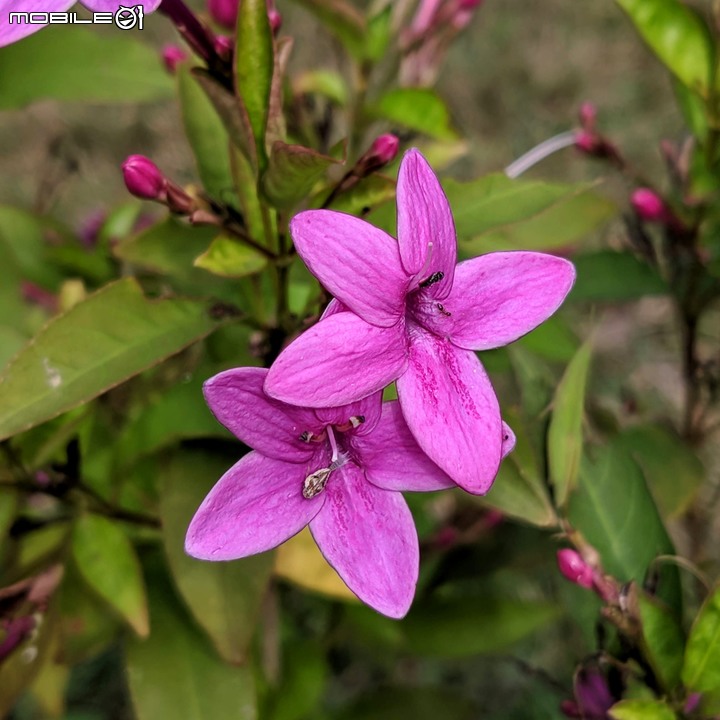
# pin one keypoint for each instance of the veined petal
(357, 262)
(273, 428)
(369, 409)
(368, 536)
(340, 360)
(10, 33)
(451, 409)
(113, 5)
(256, 505)
(425, 226)
(497, 298)
(393, 460)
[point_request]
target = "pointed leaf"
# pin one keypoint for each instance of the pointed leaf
(663, 640)
(224, 597)
(229, 257)
(701, 669)
(107, 562)
(276, 126)
(419, 109)
(565, 436)
(642, 710)
(101, 342)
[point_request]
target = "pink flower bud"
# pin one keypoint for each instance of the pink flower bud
(224, 12)
(587, 115)
(143, 178)
(648, 205)
(384, 149)
(692, 702)
(224, 45)
(275, 19)
(172, 56)
(574, 568)
(593, 694)
(469, 4)
(585, 141)
(570, 709)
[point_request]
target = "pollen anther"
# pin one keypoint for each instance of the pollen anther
(315, 483)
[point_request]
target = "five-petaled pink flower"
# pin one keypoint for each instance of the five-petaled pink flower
(337, 469)
(413, 316)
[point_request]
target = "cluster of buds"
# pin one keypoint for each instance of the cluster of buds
(591, 142)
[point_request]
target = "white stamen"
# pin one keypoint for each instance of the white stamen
(428, 259)
(333, 443)
(540, 152)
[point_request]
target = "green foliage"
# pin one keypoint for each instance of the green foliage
(417, 109)
(229, 257)
(72, 63)
(420, 703)
(701, 668)
(343, 20)
(642, 710)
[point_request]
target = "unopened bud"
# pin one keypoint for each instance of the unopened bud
(224, 12)
(143, 178)
(223, 46)
(574, 568)
(275, 19)
(587, 115)
(172, 56)
(586, 141)
(593, 694)
(649, 205)
(384, 149)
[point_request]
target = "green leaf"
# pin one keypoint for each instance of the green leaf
(293, 171)
(608, 276)
(673, 471)
(642, 710)
(343, 20)
(663, 640)
(207, 136)
(73, 63)
(565, 436)
(693, 110)
(418, 109)
(328, 83)
(701, 668)
(231, 258)
(473, 625)
(303, 680)
(9, 505)
(276, 128)
(363, 197)
(615, 512)
(379, 32)
(224, 597)
(254, 67)
(678, 36)
(101, 342)
(107, 562)
(175, 673)
(553, 340)
(418, 703)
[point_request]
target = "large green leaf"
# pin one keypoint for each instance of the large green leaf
(642, 710)
(107, 562)
(254, 67)
(609, 276)
(663, 640)
(678, 36)
(615, 512)
(224, 597)
(565, 436)
(207, 136)
(176, 673)
(106, 339)
(701, 668)
(419, 109)
(65, 62)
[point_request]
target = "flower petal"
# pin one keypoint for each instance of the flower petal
(10, 33)
(508, 440)
(256, 505)
(497, 298)
(451, 409)
(369, 408)
(368, 536)
(424, 217)
(338, 361)
(113, 5)
(393, 460)
(355, 261)
(273, 428)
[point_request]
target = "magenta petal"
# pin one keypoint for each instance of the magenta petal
(366, 411)
(269, 426)
(355, 261)
(368, 536)
(338, 361)
(256, 505)
(112, 5)
(424, 217)
(394, 461)
(451, 409)
(10, 33)
(497, 298)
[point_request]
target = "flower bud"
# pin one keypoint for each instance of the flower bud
(172, 56)
(593, 694)
(570, 709)
(224, 12)
(384, 149)
(574, 568)
(275, 19)
(649, 205)
(143, 178)
(587, 115)
(224, 46)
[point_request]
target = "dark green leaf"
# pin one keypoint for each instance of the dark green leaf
(303, 681)
(276, 126)
(565, 436)
(363, 197)
(231, 258)
(175, 673)
(608, 276)
(418, 703)
(106, 339)
(418, 109)
(66, 62)
(553, 340)
(663, 640)
(701, 668)
(107, 562)
(693, 110)
(678, 36)
(224, 597)
(378, 34)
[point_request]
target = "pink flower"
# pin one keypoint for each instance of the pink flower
(337, 470)
(143, 178)
(413, 316)
(12, 32)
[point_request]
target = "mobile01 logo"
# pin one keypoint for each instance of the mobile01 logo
(126, 18)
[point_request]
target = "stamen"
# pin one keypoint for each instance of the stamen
(306, 436)
(314, 484)
(333, 443)
(428, 259)
(356, 420)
